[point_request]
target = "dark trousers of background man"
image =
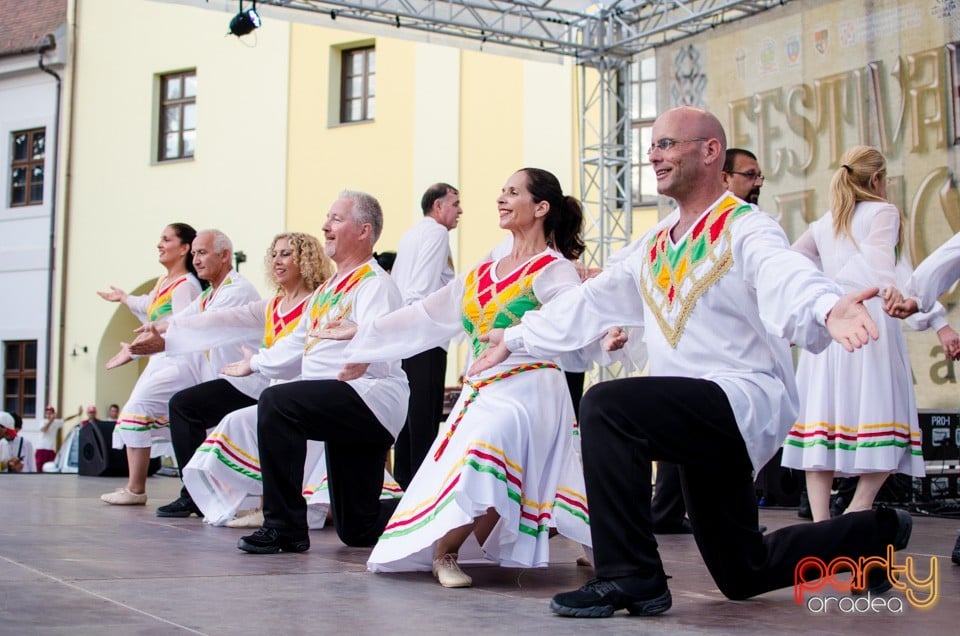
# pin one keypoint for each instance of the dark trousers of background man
(201, 407)
(426, 373)
(356, 443)
(667, 506)
(628, 423)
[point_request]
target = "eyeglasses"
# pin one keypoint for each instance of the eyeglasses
(751, 175)
(666, 143)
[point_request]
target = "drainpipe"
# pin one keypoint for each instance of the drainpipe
(49, 44)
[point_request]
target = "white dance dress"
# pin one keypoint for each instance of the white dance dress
(509, 441)
(858, 410)
(143, 421)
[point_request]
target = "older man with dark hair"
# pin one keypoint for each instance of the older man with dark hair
(423, 266)
(357, 419)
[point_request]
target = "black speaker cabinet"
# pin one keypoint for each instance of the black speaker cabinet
(97, 457)
(940, 433)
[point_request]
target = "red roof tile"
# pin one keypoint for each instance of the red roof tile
(25, 23)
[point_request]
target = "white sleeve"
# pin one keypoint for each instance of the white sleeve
(935, 319)
(401, 334)
(793, 296)
(936, 273)
(138, 305)
(875, 261)
(807, 246)
(581, 314)
(213, 329)
(183, 295)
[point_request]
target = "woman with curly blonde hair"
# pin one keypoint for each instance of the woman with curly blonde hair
(296, 265)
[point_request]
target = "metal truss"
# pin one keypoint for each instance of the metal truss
(584, 30)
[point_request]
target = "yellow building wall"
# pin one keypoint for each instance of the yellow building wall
(118, 198)
(800, 84)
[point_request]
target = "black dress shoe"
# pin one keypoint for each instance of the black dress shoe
(955, 557)
(182, 507)
(600, 598)
(683, 527)
(269, 541)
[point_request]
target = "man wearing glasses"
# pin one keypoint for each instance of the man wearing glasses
(741, 174)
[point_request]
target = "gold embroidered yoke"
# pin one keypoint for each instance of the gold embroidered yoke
(674, 276)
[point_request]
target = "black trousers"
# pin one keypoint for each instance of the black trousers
(575, 386)
(628, 423)
(667, 507)
(425, 372)
(356, 449)
(195, 410)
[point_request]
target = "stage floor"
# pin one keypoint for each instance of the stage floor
(70, 564)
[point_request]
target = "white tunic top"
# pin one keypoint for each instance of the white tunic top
(717, 304)
(360, 295)
(935, 274)
(234, 291)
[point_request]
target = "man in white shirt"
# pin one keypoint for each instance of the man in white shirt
(718, 291)
(424, 264)
(357, 419)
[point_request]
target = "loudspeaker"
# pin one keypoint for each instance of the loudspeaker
(97, 456)
(779, 486)
(940, 436)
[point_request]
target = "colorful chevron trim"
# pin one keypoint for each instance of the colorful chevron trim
(277, 324)
(488, 304)
(675, 276)
(329, 297)
(161, 303)
(847, 438)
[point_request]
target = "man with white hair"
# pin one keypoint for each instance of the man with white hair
(357, 419)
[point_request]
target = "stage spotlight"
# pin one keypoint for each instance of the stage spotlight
(245, 21)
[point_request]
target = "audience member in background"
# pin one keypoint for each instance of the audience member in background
(113, 413)
(16, 451)
(47, 446)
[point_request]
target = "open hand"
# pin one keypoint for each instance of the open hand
(120, 358)
(352, 371)
(240, 368)
(148, 342)
(115, 295)
(336, 330)
(849, 322)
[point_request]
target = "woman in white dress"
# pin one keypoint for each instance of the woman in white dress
(502, 474)
(143, 423)
(858, 411)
